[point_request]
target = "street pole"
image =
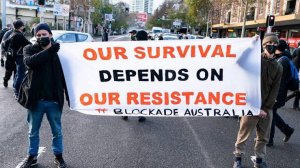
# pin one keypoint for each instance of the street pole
(3, 14)
(269, 29)
(89, 18)
(207, 22)
(244, 22)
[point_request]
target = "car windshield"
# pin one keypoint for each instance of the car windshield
(157, 31)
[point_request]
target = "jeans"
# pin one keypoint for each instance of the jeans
(20, 74)
(34, 120)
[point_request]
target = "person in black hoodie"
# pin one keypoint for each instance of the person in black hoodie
(17, 42)
(277, 121)
(42, 92)
(296, 60)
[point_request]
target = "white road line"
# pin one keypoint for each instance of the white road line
(201, 146)
(41, 150)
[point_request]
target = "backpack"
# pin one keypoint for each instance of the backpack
(3, 31)
(293, 82)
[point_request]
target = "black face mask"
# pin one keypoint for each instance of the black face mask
(277, 55)
(43, 41)
(271, 49)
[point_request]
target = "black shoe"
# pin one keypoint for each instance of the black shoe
(59, 162)
(142, 119)
(28, 162)
(16, 97)
(5, 83)
(288, 135)
(125, 118)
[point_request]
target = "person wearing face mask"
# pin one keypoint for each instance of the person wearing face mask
(16, 42)
(42, 92)
(283, 59)
(270, 80)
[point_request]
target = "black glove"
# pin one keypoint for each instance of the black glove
(54, 48)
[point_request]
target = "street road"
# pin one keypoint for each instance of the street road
(110, 142)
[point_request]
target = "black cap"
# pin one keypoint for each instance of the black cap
(282, 45)
(18, 23)
(133, 31)
(42, 26)
(141, 35)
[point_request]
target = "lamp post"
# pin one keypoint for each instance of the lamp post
(245, 18)
(269, 29)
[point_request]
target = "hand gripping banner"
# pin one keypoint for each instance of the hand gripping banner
(206, 77)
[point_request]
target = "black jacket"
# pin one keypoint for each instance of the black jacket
(283, 88)
(17, 42)
(35, 58)
(296, 57)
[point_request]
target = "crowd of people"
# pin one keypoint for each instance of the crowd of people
(39, 86)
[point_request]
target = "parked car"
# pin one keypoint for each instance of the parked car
(170, 36)
(62, 36)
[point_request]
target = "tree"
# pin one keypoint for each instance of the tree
(121, 18)
(161, 16)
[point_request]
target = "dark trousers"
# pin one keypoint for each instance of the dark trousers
(20, 74)
(10, 68)
(2, 62)
(279, 123)
(296, 101)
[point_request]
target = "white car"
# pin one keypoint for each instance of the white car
(62, 36)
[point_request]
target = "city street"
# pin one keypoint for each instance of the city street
(159, 142)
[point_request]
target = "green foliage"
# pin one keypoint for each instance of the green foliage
(35, 20)
(96, 16)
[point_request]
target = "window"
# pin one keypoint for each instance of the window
(228, 17)
(81, 37)
(67, 38)
(277, 7)
(261, 7)
(290, 7)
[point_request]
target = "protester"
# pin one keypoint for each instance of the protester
(270, 81)
(133, 35)
(296, 60)
(3, 31)
(17, 42)
(32, 29)
(105, 34)
(282, 94)
(42, 92)
(10, 65)
(139, 36)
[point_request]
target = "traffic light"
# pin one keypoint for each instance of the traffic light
(41, 2)
(270, 20)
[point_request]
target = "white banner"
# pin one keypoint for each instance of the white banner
(206, 77)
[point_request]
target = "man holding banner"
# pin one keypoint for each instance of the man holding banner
(270, 81)
(42, 92)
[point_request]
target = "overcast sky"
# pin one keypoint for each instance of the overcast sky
(156, 3)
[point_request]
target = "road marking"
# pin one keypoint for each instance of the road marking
(41, 150)
(201, 146)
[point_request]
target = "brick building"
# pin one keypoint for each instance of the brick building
(287, 20)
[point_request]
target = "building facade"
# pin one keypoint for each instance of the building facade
(142, 6)
(29, 12)
(287, 19)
